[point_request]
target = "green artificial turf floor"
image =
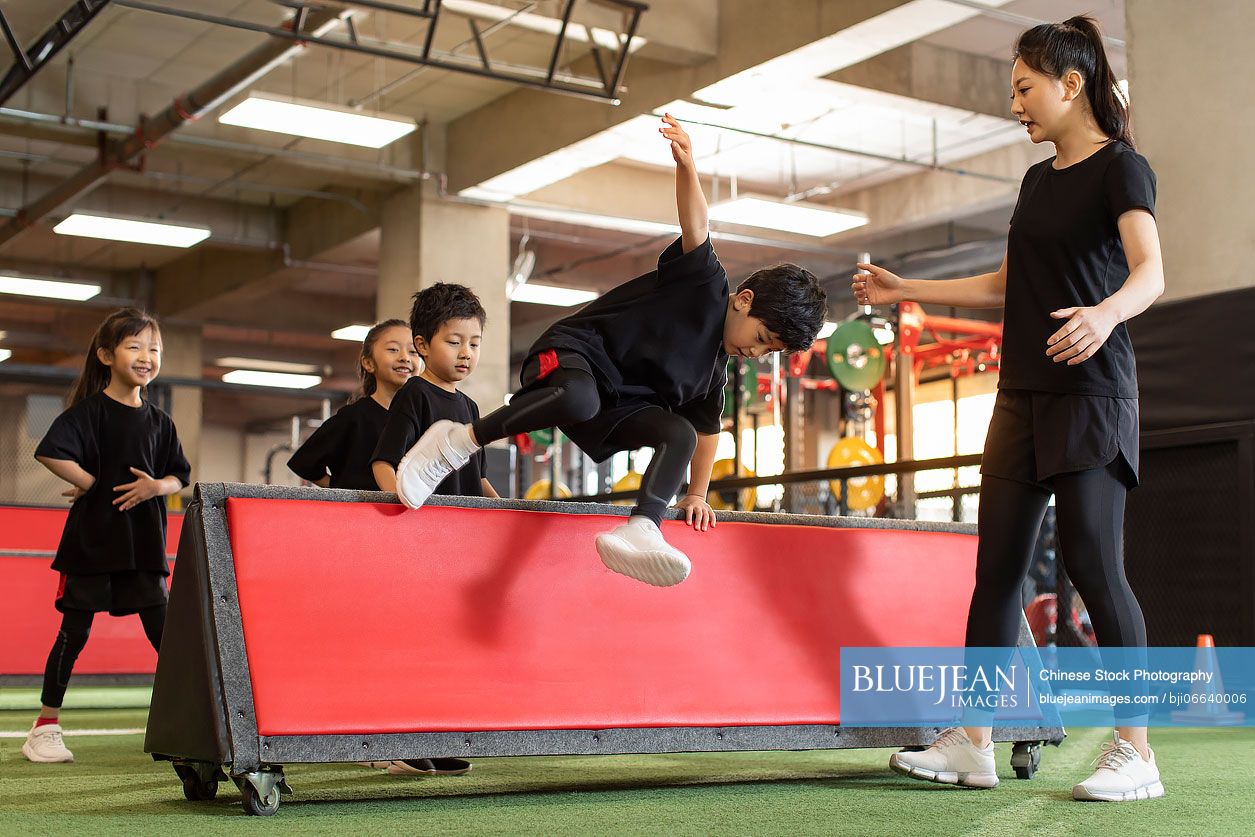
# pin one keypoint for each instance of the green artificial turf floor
(114, 788)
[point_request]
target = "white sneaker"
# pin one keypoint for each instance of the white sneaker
(1122, 775)
(44, 744)
(443, 449)
(636, 549)
(951, 760)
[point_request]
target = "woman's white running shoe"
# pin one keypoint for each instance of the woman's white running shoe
(1122, 775)
(951, 760)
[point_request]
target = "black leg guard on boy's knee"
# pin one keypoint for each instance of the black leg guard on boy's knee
(567, 396)
(76, 626)
(673, 440)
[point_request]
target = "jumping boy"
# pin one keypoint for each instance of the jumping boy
(644, 365)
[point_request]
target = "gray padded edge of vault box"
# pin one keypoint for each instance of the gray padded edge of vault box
(237, 681)
(299, 749)
(338, 495)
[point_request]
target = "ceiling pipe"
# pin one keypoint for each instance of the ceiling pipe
(183, 109)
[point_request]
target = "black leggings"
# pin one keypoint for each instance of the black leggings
(1089, 510)
(76, 626)
(570, 396)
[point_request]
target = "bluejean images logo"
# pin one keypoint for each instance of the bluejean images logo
(939, 684)
(936, 686)
(1027, 686)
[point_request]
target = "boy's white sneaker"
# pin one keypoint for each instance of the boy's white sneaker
(951, 760)
(1122, 775)
(443, 449)
(45, 744)
(637, 549)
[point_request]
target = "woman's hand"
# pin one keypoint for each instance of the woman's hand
(1082, 335)
(876, 286)
(697, 512)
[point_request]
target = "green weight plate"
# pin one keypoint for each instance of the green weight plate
(749, 385)
(855, 358)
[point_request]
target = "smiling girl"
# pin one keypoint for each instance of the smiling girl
(121, 457)
(1082, 259)
(338, 454)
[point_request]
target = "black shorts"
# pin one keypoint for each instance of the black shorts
(594, 436)
(1034, 436)
(117, 594)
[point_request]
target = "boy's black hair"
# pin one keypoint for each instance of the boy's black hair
(441, 302)
(789, 301)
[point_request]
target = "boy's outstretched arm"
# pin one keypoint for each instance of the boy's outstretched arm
(690, 200)
(697, 512)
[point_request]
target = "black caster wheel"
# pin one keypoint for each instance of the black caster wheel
(1026, 758)
(199, 780)
(194, 790)
(256, 805)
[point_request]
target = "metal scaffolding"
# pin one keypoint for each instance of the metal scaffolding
(604, 86)
(30, 60)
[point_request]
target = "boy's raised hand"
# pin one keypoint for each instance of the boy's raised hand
(681, 145)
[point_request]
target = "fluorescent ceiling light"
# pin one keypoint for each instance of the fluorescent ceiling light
(5, 354)
(552, 295)
(267, 365)
(592, 219)
(252, 377)
(826, 331)
(356, 332)
(90, 225)
(801, 218)
(11, 283)
(317, 121)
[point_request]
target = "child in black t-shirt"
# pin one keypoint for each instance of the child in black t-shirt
(447, 326)
(644, 365)
(121, 457)
(339, 453)
(447, 323)
(1082, 259)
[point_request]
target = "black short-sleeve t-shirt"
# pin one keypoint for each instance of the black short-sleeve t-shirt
(1064, 251)
(658, 337)
(654, 340)
(344, 446)
(107, 438)
(418, 405)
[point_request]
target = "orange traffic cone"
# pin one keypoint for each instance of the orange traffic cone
(1205, 710)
